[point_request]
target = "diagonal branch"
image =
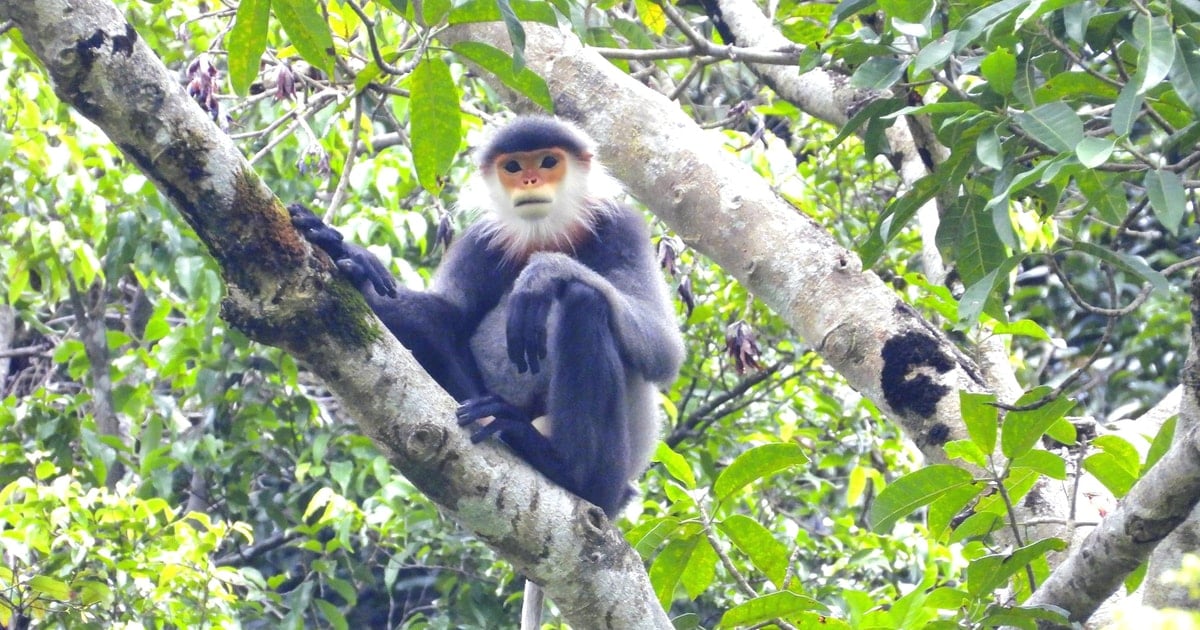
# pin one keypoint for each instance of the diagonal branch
(280, 293)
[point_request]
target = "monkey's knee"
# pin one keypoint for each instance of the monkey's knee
(579, 297)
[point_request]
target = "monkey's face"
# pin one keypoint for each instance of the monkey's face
(532, 181)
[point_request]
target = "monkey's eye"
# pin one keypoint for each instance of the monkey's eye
(549, 161)
(512, 166)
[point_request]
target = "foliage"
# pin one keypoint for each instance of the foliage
(170, 473)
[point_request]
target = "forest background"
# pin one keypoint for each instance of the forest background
(932, 263)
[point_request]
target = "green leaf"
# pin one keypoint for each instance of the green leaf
(945, 508)
(1127, 263)
(516, 33)
(914, 490)
(1072, 86)
(436, 122)
(988, 149)
(934, 53)
(1093, 152)
(965, 450)
(669, 565)
(1021, 430)
(1161, 444)
(487, 11)
(333, 615)
(1044, 462)
(1055, 125)
(988, 573)
(675, 464)
(1104, 194)
(50, 588)
(977, 525)
(766, 553)
(881, 108)
(307, 30)
(848, 8)
(978, 249)
(982, 419)
(701, 569)
(1185, 73)
(91, 592)
(780, 605)
(498, 62)
(978, 295)
(1000, 70)
(1124, 454)
(755, 464)
(1022, 328)
(1108, 470)
(983, 19)
(247, 42)
(1157, 53)
(896, 216)
(1126, 110)
(1063, 432)
(878, 73)
(1167, 198)
(913, 12)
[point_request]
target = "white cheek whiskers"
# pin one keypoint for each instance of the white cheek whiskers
(584, 194)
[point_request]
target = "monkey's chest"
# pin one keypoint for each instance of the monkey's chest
(488, 345)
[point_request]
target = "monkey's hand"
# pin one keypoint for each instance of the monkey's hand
(504, 416)
(525, 332)
(358, 264)
(314, 230)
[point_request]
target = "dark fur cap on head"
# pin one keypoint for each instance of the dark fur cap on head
(530, 133)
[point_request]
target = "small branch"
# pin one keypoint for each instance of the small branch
(24, 351)
(339, 192)
(247, 554)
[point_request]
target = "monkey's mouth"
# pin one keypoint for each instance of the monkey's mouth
(527, 201)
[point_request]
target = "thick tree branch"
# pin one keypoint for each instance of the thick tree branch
(279, 293)
(1160, 501)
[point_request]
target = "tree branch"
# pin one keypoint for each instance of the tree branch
(280, 293)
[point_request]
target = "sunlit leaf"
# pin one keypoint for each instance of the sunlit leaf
(307, 31)
(1167, 197)
(502, 66)
(755, 464)
(766, 553)
(247, 43)
(1021, 430)
(436, 122)
(915, 490)
(782, 604)
(1054, 124)
(1157, 53)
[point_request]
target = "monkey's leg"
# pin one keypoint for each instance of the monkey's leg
(587, 398)
(587, 451)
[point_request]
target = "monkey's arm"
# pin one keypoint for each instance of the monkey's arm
(620, 265)
(435, 328)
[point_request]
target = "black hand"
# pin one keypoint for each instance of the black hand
(314, 230)
(505, 416)
(528, 312)
(359, 265)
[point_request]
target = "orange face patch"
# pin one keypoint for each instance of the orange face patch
(530, 170)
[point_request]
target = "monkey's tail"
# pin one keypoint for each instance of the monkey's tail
(531, 607)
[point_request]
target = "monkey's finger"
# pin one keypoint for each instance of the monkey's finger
(535, 333)
(513, 330)
(482, 407)
(381, 279)
(541, 321)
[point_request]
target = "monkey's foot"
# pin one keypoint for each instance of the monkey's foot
(500, 414)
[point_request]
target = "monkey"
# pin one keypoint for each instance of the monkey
(547, 320)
